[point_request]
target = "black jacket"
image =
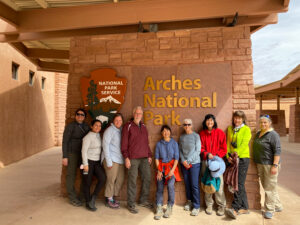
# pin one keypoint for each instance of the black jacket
(266, 147)
(72, 138)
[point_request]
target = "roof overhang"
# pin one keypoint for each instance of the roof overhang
(285, 88)
(41, 21)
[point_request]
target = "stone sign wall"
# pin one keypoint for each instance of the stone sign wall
(155, 63)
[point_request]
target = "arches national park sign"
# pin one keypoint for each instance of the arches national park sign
(168, 93)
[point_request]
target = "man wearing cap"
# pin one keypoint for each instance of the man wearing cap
(213, 148)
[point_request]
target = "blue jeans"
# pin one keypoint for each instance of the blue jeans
(160, 191)
(191, 181)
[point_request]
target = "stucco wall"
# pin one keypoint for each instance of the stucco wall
(123, 52)
(28, 112)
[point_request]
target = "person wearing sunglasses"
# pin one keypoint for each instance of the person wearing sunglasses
(189, 148)
(238, 138)
(266, 155)
(213, 143)
(71, 152)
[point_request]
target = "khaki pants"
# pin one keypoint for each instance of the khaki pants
(114, 179)
(219, 196)
(269, 183)
(138, 165)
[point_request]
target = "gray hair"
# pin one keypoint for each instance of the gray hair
(136, 108)
(188, 121)
(267, 117)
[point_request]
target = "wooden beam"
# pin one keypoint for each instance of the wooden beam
(260, 102)
(47, 53)
(42, 3)
(20, 47)
(286, 3)
(278, 102)
(255, 20)
(8, 15)
(217, 22)
(53, 67)
(131, 12)
(11, 4)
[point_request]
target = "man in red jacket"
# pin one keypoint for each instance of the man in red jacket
(213, 143)
(138, 157)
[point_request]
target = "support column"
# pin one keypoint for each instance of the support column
(260, 103)
(297, 95)
(278, 102)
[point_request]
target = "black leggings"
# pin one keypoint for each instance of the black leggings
(96, 169)
(240, 200)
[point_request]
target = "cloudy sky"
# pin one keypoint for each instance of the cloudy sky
(276, 48)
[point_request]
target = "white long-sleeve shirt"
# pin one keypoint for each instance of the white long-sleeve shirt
(91, 147)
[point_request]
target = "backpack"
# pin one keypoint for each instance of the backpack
(210, 184)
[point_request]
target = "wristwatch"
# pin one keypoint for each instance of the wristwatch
(275, 165)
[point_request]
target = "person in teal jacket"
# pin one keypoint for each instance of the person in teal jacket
(238, 138)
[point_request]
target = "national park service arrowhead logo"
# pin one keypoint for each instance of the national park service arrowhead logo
(103, 94)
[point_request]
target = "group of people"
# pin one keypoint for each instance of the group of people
(197, 155)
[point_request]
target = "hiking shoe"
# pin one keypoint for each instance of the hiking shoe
(146, 204)
(75, 202)
(268, 215)
(188, 206)
(208, 210)
(220, 211)
(231, 213)
(195, 212)
(168, 212)
(279, 209)
(159, 212)
(90, 206)
(116, 201)
(132, 209)
(111, 204)
(243, 211)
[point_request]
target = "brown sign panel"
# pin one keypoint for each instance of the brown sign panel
(171, 93)
(103, 94)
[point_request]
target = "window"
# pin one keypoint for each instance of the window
(31, 77)
(43, 83)
(14, 70)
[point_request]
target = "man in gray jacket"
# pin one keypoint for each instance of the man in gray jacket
(71, 149)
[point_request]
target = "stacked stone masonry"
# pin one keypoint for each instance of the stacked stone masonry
(294, 130)
(61, 84)
(196, 46)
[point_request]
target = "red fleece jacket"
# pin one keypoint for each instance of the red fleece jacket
(134, 142)
(214, 143)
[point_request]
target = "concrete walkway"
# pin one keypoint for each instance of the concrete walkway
(29, 194)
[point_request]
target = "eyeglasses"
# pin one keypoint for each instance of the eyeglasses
(80, 114)
(187, 125)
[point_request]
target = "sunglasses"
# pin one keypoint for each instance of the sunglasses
(187, 125)
(80, 114)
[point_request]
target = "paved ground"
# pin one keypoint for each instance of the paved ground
(29, 194)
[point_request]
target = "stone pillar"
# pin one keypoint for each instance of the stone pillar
(61, 82)
(294, 130)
